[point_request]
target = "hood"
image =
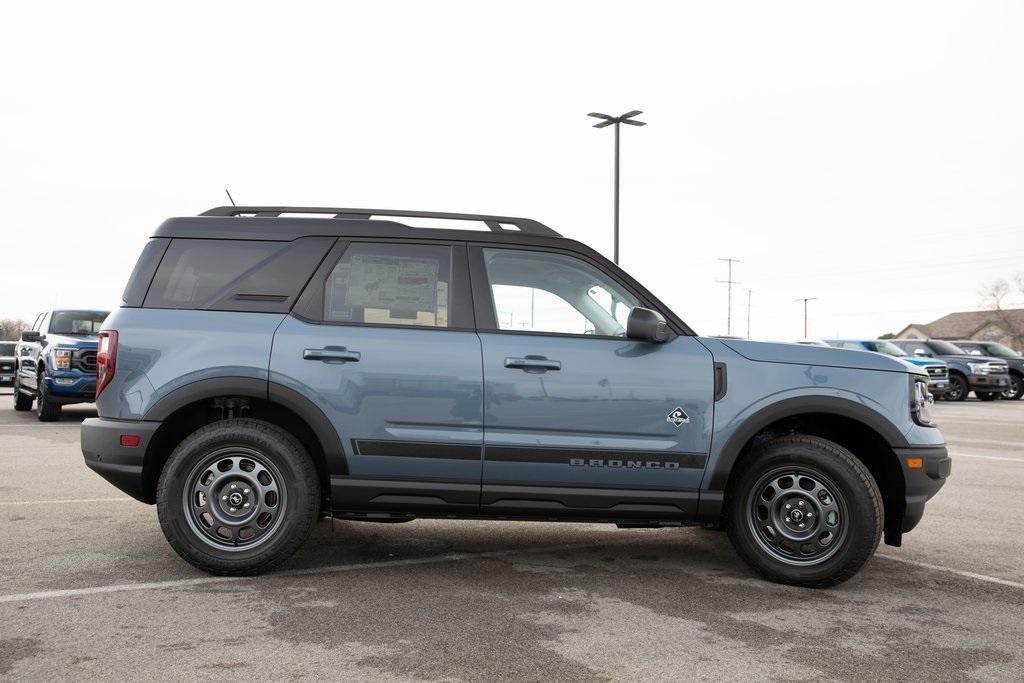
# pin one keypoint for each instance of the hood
(78, 341)
(803, 354)
(923, 362)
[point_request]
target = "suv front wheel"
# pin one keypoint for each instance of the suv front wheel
(238, 497)
(805, 511)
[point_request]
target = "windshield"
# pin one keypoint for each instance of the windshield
(944, 348)
(999, 350)
(888, 348)
(77, 322)
(6, 348)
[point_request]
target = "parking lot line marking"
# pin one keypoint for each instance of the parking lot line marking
(311, 571)
(985, 457)
(65, 500)
(958, 572)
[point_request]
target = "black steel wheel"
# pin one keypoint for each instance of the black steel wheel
(804, 510)
(958, 388)
(238, 497)
(1016, 389)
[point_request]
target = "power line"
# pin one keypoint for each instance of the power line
(729, 283)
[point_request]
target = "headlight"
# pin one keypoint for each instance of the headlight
(921, 401)
(62, 359)
(978, 368)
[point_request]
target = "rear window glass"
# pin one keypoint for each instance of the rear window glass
(390, 284)
(193, 272)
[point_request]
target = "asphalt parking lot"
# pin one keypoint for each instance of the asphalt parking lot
(89, 588)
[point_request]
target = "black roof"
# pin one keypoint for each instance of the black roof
(267, 223)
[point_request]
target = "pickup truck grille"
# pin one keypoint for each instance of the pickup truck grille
(936, 371)
(997, 369)
(85, 360)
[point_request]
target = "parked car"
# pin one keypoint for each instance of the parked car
(986, 376)
(264, 370)
(8, 361)
(1013, 359)
(57, 361)
(938, 370)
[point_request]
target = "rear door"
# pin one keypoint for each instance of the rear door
(581, 421)
(382, 340)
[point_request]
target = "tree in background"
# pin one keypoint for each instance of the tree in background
(887, 335)
(10, 329)
(994, 296)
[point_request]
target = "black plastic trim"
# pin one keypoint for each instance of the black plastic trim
(721, 380)
(564, 456)
(414, 449)
(792, 407)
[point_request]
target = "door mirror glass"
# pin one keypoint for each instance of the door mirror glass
(31, 336)
(646, 325)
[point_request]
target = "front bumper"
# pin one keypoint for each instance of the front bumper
(70, 387)
(938, 387)
(988, 382)
(122, 466)
(922, 483)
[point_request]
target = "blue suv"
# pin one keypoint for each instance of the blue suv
(938, 370)
(266, 369)
(56, 362)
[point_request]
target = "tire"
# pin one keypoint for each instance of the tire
(22, 402)
(988, 395)
(46, 410)
(958, 388)
(1016, 390)
(255, 464)
(842, 485)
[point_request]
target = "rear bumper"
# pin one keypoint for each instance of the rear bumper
(120, 465)
(923, 483)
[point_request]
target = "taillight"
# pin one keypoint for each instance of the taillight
(106, 359)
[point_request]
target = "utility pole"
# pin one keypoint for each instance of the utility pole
(805, 300)
(729, 283)
(749, 292)
(626, 118)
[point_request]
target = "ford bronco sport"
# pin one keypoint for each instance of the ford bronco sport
(266, 369)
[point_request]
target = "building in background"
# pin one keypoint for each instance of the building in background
(1005, 326)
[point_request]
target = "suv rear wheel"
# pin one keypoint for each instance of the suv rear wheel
(237, 497)
(805, 512)
(22, 402)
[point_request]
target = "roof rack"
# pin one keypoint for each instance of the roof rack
(495, 223)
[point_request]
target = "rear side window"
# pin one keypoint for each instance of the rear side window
(195, 271)
(390, 284)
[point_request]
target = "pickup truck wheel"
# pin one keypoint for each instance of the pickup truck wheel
(958, 388)
(805, 511)
(46, 410)
(1016, 389)
(22, 402)
(238, 497)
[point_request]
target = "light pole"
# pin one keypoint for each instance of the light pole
(749, 292)
(626, 118)
(805, 300)
(728, 303)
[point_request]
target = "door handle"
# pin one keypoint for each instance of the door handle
(328, 354)
(533, 363)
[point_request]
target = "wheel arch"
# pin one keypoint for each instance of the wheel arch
(870, 436)
(199, 403)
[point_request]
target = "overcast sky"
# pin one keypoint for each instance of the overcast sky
(868, 154)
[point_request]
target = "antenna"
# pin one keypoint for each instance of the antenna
(228, 193)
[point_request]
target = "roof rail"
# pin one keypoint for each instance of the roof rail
(495, 223)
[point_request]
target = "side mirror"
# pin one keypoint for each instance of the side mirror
(644, 324)
(31, 336)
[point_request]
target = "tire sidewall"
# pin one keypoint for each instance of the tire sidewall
(961, 386)
(858, 488)
(273, 444)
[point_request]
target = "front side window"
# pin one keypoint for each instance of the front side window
(547, 292)
(390, 284)
(945, 348)
(918, 348)
(999, 350)
(77, 322)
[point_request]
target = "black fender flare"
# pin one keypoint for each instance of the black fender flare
(792, 407)
(265, 390)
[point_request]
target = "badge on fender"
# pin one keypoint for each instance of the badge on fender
(678, 417)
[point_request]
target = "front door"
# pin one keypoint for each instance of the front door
(388, 353)
(579, 420)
